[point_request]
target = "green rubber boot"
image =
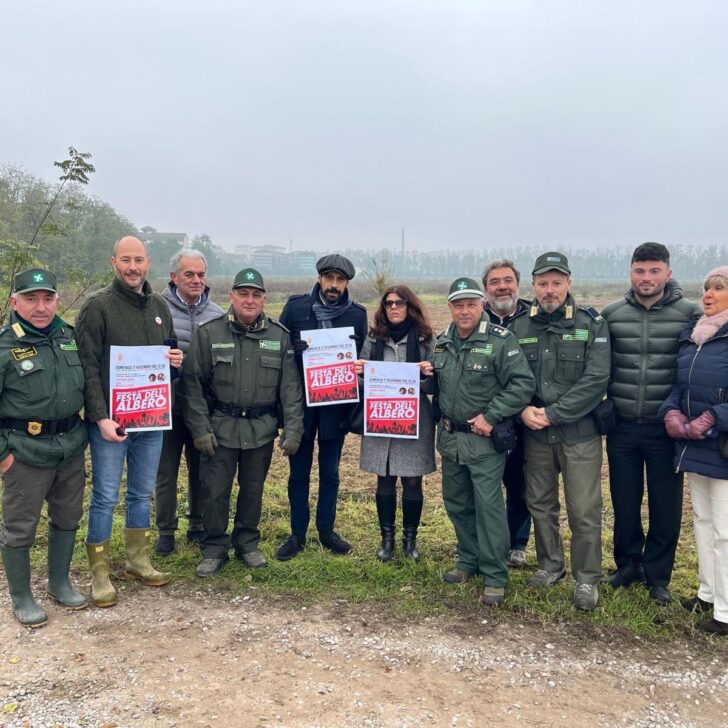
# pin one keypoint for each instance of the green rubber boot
(60, 552)
(103, 593)
(17, 571)
(138, 564)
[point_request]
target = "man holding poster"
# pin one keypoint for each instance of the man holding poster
(126, 313)
(327, 306)
(482, 378)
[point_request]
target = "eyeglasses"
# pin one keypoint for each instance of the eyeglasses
(397, 303)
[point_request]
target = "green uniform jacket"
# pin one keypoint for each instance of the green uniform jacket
(488, 375)
(245, 368)
(569, 354)
(41, 378)
(644, 351)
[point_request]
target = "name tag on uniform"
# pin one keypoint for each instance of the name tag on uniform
(69, 345)
(269, 345)
(529, 340)
(578, 335)
(227, 345)
(23, 352)
(487, 349)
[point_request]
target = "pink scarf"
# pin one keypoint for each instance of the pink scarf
(708, 326)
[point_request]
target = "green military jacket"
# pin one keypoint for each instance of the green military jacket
(41, 378)
(569, 354)
(244, 367)
(487, 375)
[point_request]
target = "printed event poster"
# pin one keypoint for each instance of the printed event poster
(328, 366)
(141, 397)
(391, 399)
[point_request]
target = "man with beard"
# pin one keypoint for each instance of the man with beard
(328, 305)
(644, 328)
(500, 280)
(567, 347)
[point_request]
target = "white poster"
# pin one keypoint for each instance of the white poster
(391, 399)
(328, 366)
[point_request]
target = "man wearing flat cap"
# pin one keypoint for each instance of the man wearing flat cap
(567, 347)
(328, 305)
(239, 380)
(42, 439)
(482, 380)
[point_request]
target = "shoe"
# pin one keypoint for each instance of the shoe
(386, 512)
(195, 536)
(137, 562)
(661, 595)
(291, 547)
(626, 575)
(411, 514)
(17, 572)
(516, 558)
(103, 593)
(586, 596)
(493, 596)
(252, 559)
(210, 567)
(696, 604)
(60, 553)
(333, 542)
(386, 550)
(713, 626)
(457, 576)
(165, 545)
(409, 543)
(543, 578)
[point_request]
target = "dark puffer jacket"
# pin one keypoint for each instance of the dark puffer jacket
(702, 384)
(644, 351)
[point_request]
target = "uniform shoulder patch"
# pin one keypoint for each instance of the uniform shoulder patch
(3, 329)
(593, 313)
(499, 330)
(277, 323)
(212, 320)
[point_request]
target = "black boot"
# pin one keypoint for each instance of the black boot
(386, 510)
(411, 512)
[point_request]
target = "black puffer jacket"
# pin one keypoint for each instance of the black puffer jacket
(644, 350)
(702, 384)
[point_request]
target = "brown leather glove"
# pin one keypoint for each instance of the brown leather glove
(206, 444)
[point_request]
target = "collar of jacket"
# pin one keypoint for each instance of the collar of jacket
(138, 299)
(562, 318)
(673, 293)
(522, 305)
(170, 294)
(479, 333)
(23, 331)
(256, 328)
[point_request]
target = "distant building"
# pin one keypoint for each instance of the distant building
(269, 257)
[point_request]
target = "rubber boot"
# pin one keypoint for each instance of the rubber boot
(386, 510)
(17, 571)
(411, 512)
(103, 593)
(137, 563)
(60, 552)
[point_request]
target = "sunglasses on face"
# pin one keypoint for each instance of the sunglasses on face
(397, 303)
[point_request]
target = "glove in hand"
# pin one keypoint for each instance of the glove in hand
(289, 446)
(696, 428)
(675, 422)
(206, 444)
(299, 346)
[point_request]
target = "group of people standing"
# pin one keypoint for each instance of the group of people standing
(513, 392)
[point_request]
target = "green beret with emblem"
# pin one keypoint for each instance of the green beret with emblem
(249, 278)
(464, 288)
(551, 261)
(35, 279)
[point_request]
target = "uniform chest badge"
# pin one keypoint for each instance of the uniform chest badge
(158, 320)
(27, 365)
(23, 352)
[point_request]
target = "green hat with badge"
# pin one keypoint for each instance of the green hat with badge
(35, 279)
(464, 288)
(249, 278)
(551, 261)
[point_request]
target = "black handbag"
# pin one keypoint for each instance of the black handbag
(504, 436)
(605, 417)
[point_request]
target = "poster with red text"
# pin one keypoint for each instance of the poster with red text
(391, 399)
(328, 366)
(140, 391)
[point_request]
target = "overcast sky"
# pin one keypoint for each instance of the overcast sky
(338, 123)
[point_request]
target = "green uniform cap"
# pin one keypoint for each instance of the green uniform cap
(464, 288)
(551, 261)
(35, 279)
(249, 278)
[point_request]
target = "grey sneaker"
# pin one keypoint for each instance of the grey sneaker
(543, 578)
(456, 576)
(586, 596)
(210, 567)
(516, 558)
(493, 596)
(253, 559)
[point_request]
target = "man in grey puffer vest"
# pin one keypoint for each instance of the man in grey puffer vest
(189, 303)
(644, 327)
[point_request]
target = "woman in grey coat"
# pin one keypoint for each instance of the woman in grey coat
(401, 332)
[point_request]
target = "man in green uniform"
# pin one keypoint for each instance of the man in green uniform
(567, 347)
(239, 378)
(482, 379)
(42, 439)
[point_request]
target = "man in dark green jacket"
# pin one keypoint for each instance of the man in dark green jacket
(644, 328)
(240, 377)
(567, 347)
(42, 439)
(482, 379)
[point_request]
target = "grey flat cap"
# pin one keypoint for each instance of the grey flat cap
(338, 263)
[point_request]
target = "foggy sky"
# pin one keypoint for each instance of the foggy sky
(336, 124)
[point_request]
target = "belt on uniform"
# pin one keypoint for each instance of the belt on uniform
(41, 427)
(453, 426)
(249, 413)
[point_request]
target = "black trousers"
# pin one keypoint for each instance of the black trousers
(216, 475)
(632, 449)
(514, 480)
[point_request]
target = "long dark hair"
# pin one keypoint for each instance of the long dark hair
(415, 312)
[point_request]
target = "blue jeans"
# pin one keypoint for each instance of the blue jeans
(141, 451)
